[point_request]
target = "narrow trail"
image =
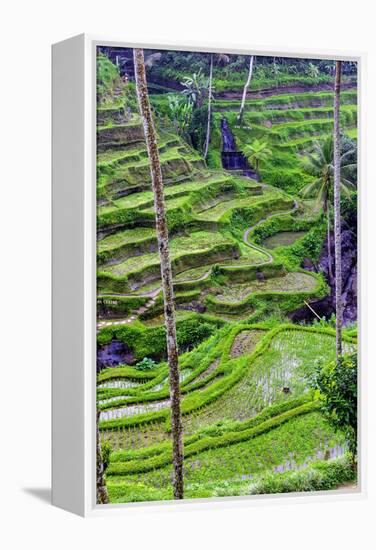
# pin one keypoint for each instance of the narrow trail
(153, 297)
(154, 293)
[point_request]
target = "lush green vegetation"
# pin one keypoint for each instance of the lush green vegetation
(259, 411)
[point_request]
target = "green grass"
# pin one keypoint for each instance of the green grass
(301, 100)
(274, 117)
(125, 237)
(194, 273)
(352, 133)
(283, 238)
(217, 212)
(296, 129)
(179, 246)
(287, 362)
(246, 384)
(289, 283)
(295, 442)
(131, 170)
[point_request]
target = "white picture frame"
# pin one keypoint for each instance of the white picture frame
(74, 278)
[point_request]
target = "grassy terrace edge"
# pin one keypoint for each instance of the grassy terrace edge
(232, 372)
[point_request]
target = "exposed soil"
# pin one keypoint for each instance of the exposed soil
(296, 89)
(208, 371)
(245, 342)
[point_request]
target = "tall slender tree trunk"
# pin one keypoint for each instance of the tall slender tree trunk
(337, 210)
(207, 140)
(102, 494)
(330, 263)
(246, 86)
(166, 272)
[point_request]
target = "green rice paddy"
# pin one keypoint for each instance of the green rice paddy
(248, 409)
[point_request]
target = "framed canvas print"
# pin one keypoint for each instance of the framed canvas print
(205, 274)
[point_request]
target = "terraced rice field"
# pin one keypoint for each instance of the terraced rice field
(283, 238)
(180, 246)
(210, 473)
(216, 212)
(237, 246)
(291, 282)
(285, 364)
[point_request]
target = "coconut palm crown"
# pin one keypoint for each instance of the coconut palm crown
(319, 164)
(257, 152)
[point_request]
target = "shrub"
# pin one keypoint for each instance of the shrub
(151, 342)
(107, 76)
(146, 364)
(337, 386)
(197, 127)
(192, 333)
(319, 476)
(216, 270)
(106, 454)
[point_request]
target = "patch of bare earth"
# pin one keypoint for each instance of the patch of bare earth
(209, 370)
(245, 342)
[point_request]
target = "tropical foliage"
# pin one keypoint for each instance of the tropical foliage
(195, 88)
(319, 165)
(338, 391)
(180, 111)
(257, 152)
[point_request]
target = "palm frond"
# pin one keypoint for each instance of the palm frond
(311, 188)
(345, 189)
(347, 154)
(351, 166)
(348, 183)
(323, 193)
(328, 149)
(152, 59)
(310, 166)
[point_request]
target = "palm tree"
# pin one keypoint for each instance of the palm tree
(207, 139)
(257, 152)
(102, 494)
(312, 71)
(319, 165)
(275, 68)
(166, 272)
(337, 208)
(195, 88)
(246, 86)
(180, 110)
(220, 58)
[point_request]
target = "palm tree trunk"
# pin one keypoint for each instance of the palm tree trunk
(337, 210)
(330, 264)
(166, 272)
(207, 140)
(246, 86)
(102, 494)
